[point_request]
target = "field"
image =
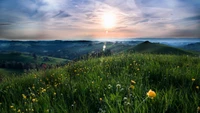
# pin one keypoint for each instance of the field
(115, 84)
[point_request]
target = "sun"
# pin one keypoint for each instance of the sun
(109, 20)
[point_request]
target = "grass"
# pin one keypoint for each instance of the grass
(104, 85)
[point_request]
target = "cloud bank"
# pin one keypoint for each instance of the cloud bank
(82, 19)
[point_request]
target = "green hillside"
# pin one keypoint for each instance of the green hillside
(148, 47)
(115, 84)
(28, 58)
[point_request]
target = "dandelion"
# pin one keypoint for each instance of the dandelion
(109, 86)
(132, 87)
(133, 82)
(193, 79)
(24, 96)
(118, 85)
(151, 94)
(197, 87)
(125, 98)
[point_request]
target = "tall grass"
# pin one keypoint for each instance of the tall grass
(104, 85)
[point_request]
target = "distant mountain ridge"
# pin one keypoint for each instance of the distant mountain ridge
(193, 46)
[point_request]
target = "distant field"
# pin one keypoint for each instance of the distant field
(112, 84)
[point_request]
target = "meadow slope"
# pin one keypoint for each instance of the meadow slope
(115, 84)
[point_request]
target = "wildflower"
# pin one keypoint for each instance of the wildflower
(198, 109)
(18, 110)
(54, 93)
(33, 100)
(0, 103)
(151, 94)
(109, 86)
(24, 96)
(43, 90)
(56, 85)
(133, 82)
(92, 82)
(118, 85)
(197, 87)
(33, 87)
(125, 98)
(100, 99)
(132, 87)
(193, 79)
(11, 107)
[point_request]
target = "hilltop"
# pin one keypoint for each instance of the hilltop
(157, 48)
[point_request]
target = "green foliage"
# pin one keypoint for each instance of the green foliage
(104, 85)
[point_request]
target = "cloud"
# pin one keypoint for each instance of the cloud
(193, 18)
(61, 14)
(134, 17)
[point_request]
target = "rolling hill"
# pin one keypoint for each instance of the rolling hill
(20, 61)
(193, 46)
(116, 84)
(156, 48)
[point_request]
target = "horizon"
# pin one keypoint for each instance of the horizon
(95, 19)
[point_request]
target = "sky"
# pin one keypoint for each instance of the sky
(84, 19)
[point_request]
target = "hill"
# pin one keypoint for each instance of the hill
(193, 46)
(60, 49)
(148, 47)
(126, 83)
(16, 60)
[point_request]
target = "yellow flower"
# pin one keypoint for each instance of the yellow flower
(100, 99)
(33, 100)
(133, 82)
(193, 79)
(33, 87)
(151, 94)
(24, 96)
(197, 87)
(54, 93)
(132, 87)
(198, 109)
(11, 107)
(19, 110)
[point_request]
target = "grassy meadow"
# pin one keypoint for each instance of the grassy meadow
(115, 84)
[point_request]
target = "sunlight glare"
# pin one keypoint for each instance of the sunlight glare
(109, 20)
